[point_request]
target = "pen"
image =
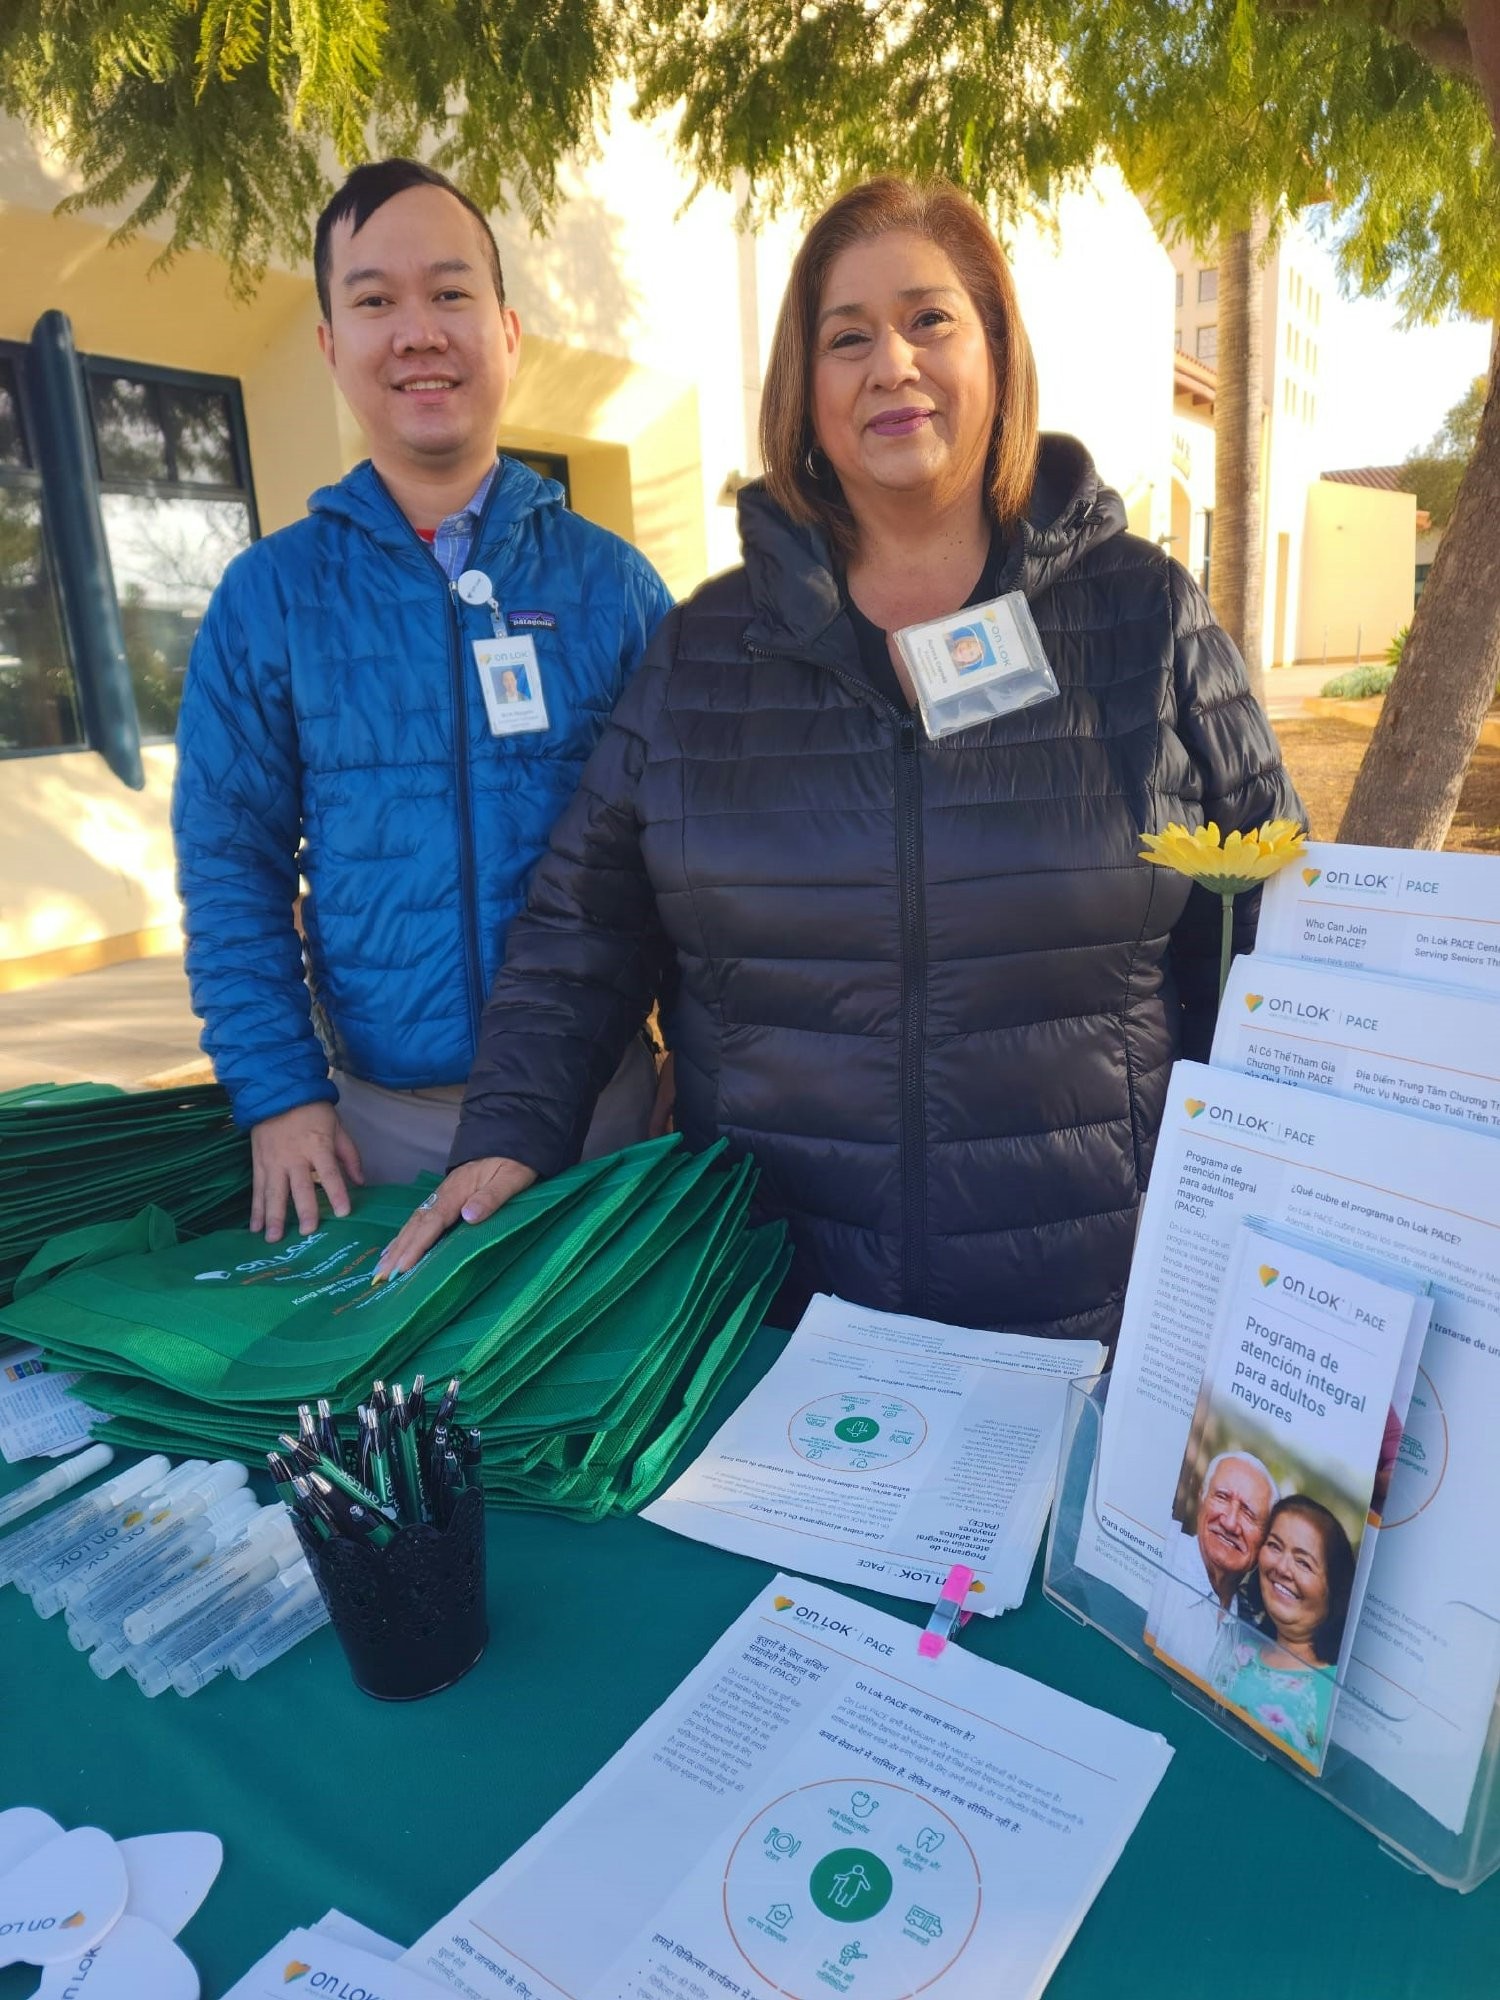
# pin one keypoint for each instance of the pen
(306, 1427)
(416, 1402)
(473, 1456)
(406, 1464)
(352, 1517)
(447, 1405)
(329, 1441)
(453, 1483)
(373, 1453)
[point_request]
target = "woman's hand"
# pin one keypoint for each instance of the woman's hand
(471, 1193)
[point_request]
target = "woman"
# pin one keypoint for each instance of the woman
(928, 984)
(1305, 1572)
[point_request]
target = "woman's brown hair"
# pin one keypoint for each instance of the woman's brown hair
(947, 217)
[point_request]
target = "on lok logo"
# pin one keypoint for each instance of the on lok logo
(1194, 1106)
(1267, 1275)
(1254, 1000)
(783, 1603)
(1311, 875)
(296, 1969)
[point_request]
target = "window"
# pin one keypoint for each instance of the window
(1208, 287)
(1208, 345)
(1179, 291)
(174, 491)
(38, 696)
(1423, 571)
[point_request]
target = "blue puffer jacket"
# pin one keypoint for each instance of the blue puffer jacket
(333, 723)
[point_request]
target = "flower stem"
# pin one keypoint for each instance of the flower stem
(1224, 947)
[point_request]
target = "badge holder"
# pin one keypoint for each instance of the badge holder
(1457, 1860)
(978, 665)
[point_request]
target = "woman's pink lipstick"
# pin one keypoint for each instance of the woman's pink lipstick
(898, 423)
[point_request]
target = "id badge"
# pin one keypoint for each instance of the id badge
(977, 665)
(510, 680)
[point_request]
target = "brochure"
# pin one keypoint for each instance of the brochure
(1289, 1458)
(1420, 1197)
(337, 1957)
(1388, 909)
(1429, 1051)
(38, 1418)
(881, 1450)
(816, 1810)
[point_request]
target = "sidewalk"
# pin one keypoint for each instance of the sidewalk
(128, 1024)
(1288, 687)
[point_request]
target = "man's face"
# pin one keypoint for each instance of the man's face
(417, 340)
(1232, 1516)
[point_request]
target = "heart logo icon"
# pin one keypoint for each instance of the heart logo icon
(1267, 1275)
(1254, 1000)
(1193, 1106)
(1310, 875)
(295, 1970)
(783, 1603)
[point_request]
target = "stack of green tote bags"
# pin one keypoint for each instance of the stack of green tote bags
(87, 1149)
(589, 1321)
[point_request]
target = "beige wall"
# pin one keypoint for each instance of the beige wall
(1357, 572)
(1096, 295)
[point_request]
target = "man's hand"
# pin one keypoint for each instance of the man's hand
(292, 1154)
(471, 1193)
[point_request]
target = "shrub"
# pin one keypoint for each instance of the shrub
(1359, 684)
(1397, 647)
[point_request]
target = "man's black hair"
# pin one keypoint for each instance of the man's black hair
(371, 187)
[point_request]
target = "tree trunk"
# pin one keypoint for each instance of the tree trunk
(1406, 792)
(1235, 576)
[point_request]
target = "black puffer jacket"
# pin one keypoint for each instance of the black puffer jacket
(929, 985)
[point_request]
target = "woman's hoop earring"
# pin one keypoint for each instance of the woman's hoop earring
(810, 462)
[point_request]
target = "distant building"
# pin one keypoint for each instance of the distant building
(1336, 571)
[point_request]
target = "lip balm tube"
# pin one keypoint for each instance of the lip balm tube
(250, 1556)
(279, 1637)
(127, 1521)
(61, 1479)
(233, 1611)
(66, 1524)
(241, 1622)
(186, 1504)
(102, 1621)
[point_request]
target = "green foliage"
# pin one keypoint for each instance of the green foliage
(1359, 684)
(1435, 474)
(1397, 648)
(213, 114)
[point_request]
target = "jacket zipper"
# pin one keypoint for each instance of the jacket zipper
(468, 874)
(913, 1011)
(913, 909)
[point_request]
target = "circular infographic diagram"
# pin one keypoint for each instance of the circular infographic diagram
(857, 1431)
(1423, 1458)
(852, 1886)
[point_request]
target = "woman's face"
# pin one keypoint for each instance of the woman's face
(903, 389)
(1294, 1578)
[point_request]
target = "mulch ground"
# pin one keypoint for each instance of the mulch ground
(1323, 755)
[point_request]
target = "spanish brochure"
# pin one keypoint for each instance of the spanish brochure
(1418, 1196)
(1288, 1461)
(816, 1809)
(881, 1450)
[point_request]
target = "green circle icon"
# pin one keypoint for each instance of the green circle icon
(857, 1430)
(850, 1885)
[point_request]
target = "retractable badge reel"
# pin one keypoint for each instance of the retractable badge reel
(510, 678)
(977, 665)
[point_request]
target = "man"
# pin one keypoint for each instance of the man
(334, 722)
(1198, 1605)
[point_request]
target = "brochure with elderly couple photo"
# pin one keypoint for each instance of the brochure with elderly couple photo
(1289, 1459)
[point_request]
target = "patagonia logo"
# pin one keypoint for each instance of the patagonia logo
(531, 621)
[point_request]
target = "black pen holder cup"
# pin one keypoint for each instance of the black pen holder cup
(410, 1617)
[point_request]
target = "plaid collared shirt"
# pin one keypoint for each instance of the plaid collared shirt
(455, 535)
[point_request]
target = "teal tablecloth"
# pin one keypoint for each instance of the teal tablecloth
(1239, 1884)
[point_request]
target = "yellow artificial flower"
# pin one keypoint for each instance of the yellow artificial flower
(1227, 867)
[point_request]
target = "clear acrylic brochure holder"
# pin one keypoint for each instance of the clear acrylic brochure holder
(1460, 1860)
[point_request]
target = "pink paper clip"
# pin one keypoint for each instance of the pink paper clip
(948, 1613)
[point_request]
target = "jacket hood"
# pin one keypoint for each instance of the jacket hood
(363, 498)
(796, 591)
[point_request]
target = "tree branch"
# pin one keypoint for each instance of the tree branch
(1445, 44)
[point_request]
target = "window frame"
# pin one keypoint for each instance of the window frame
(28, 479)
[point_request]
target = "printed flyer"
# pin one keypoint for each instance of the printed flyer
(1430, 917)
(1424, 1050)
(816, 1810)
(1403, 1192)
(1288, 1461)
(881, 1450)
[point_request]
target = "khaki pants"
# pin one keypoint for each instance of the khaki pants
(403, 1133)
